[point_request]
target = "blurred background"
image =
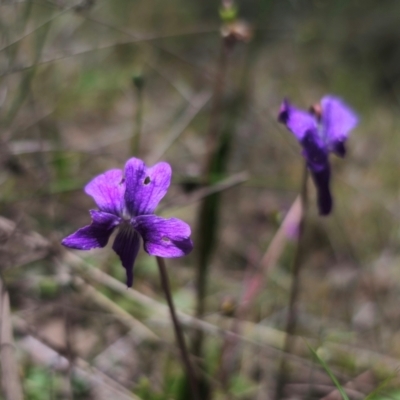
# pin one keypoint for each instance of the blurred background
(80, 81)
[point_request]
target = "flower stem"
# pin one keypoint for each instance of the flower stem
(178, 331)
(291, 321)
(209, 207)
(138, 83)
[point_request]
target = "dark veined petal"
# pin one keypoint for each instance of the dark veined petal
(164, 237)
(126, 245)
(297, 121)
(322, 182)
(338, 119)
(145, 187)
(338, 148)
(314, 151)
(108, 191)
(318, 163)
(95, 235)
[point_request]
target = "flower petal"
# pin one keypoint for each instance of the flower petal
(126, 245)
(108, 191)
(314, 151)
(338, 119)
(317, 158)
(95, 235)
(297, 121)
(145, 187)
(324, 198)
(164, 237)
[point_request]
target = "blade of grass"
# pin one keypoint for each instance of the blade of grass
(372, 395)
(329, 372)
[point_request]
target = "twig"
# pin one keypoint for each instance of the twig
(200, 194)
(178, 330)
(61, 57)
(196, 104)
(253, 334)
(68, 342)
(119, 313)
(44, 353)
(18, 248)
(10, 381)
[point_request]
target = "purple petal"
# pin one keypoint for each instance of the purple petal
(324, 198)
(338, 119)
(145, 187)
(108, 191)
(339, 148)
(314, 151)
(126, 245)
(297, 121)
(95, 235)
(316, 155)
(164, 237)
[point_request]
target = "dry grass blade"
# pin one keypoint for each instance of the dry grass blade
(141, 331)
(157, 309)
(200, 194)
(195, 106)
(252, 333)
(103, 386)
(18, 248)
(254, 282)
(289, 224)
(10, 381)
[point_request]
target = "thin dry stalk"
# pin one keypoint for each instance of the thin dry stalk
(44, 353)
(252, 334)
(141, 330)
(277, 245)
(196, 104)
(10, 381)
(200, 194)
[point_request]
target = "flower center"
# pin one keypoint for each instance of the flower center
(316, 110)
(126, 217)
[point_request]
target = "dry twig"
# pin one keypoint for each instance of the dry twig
(10, 381)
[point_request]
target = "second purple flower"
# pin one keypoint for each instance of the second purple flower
(322, 130)
(127, 201)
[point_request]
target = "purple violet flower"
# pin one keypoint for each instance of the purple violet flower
(128, 202)
(322, 130)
